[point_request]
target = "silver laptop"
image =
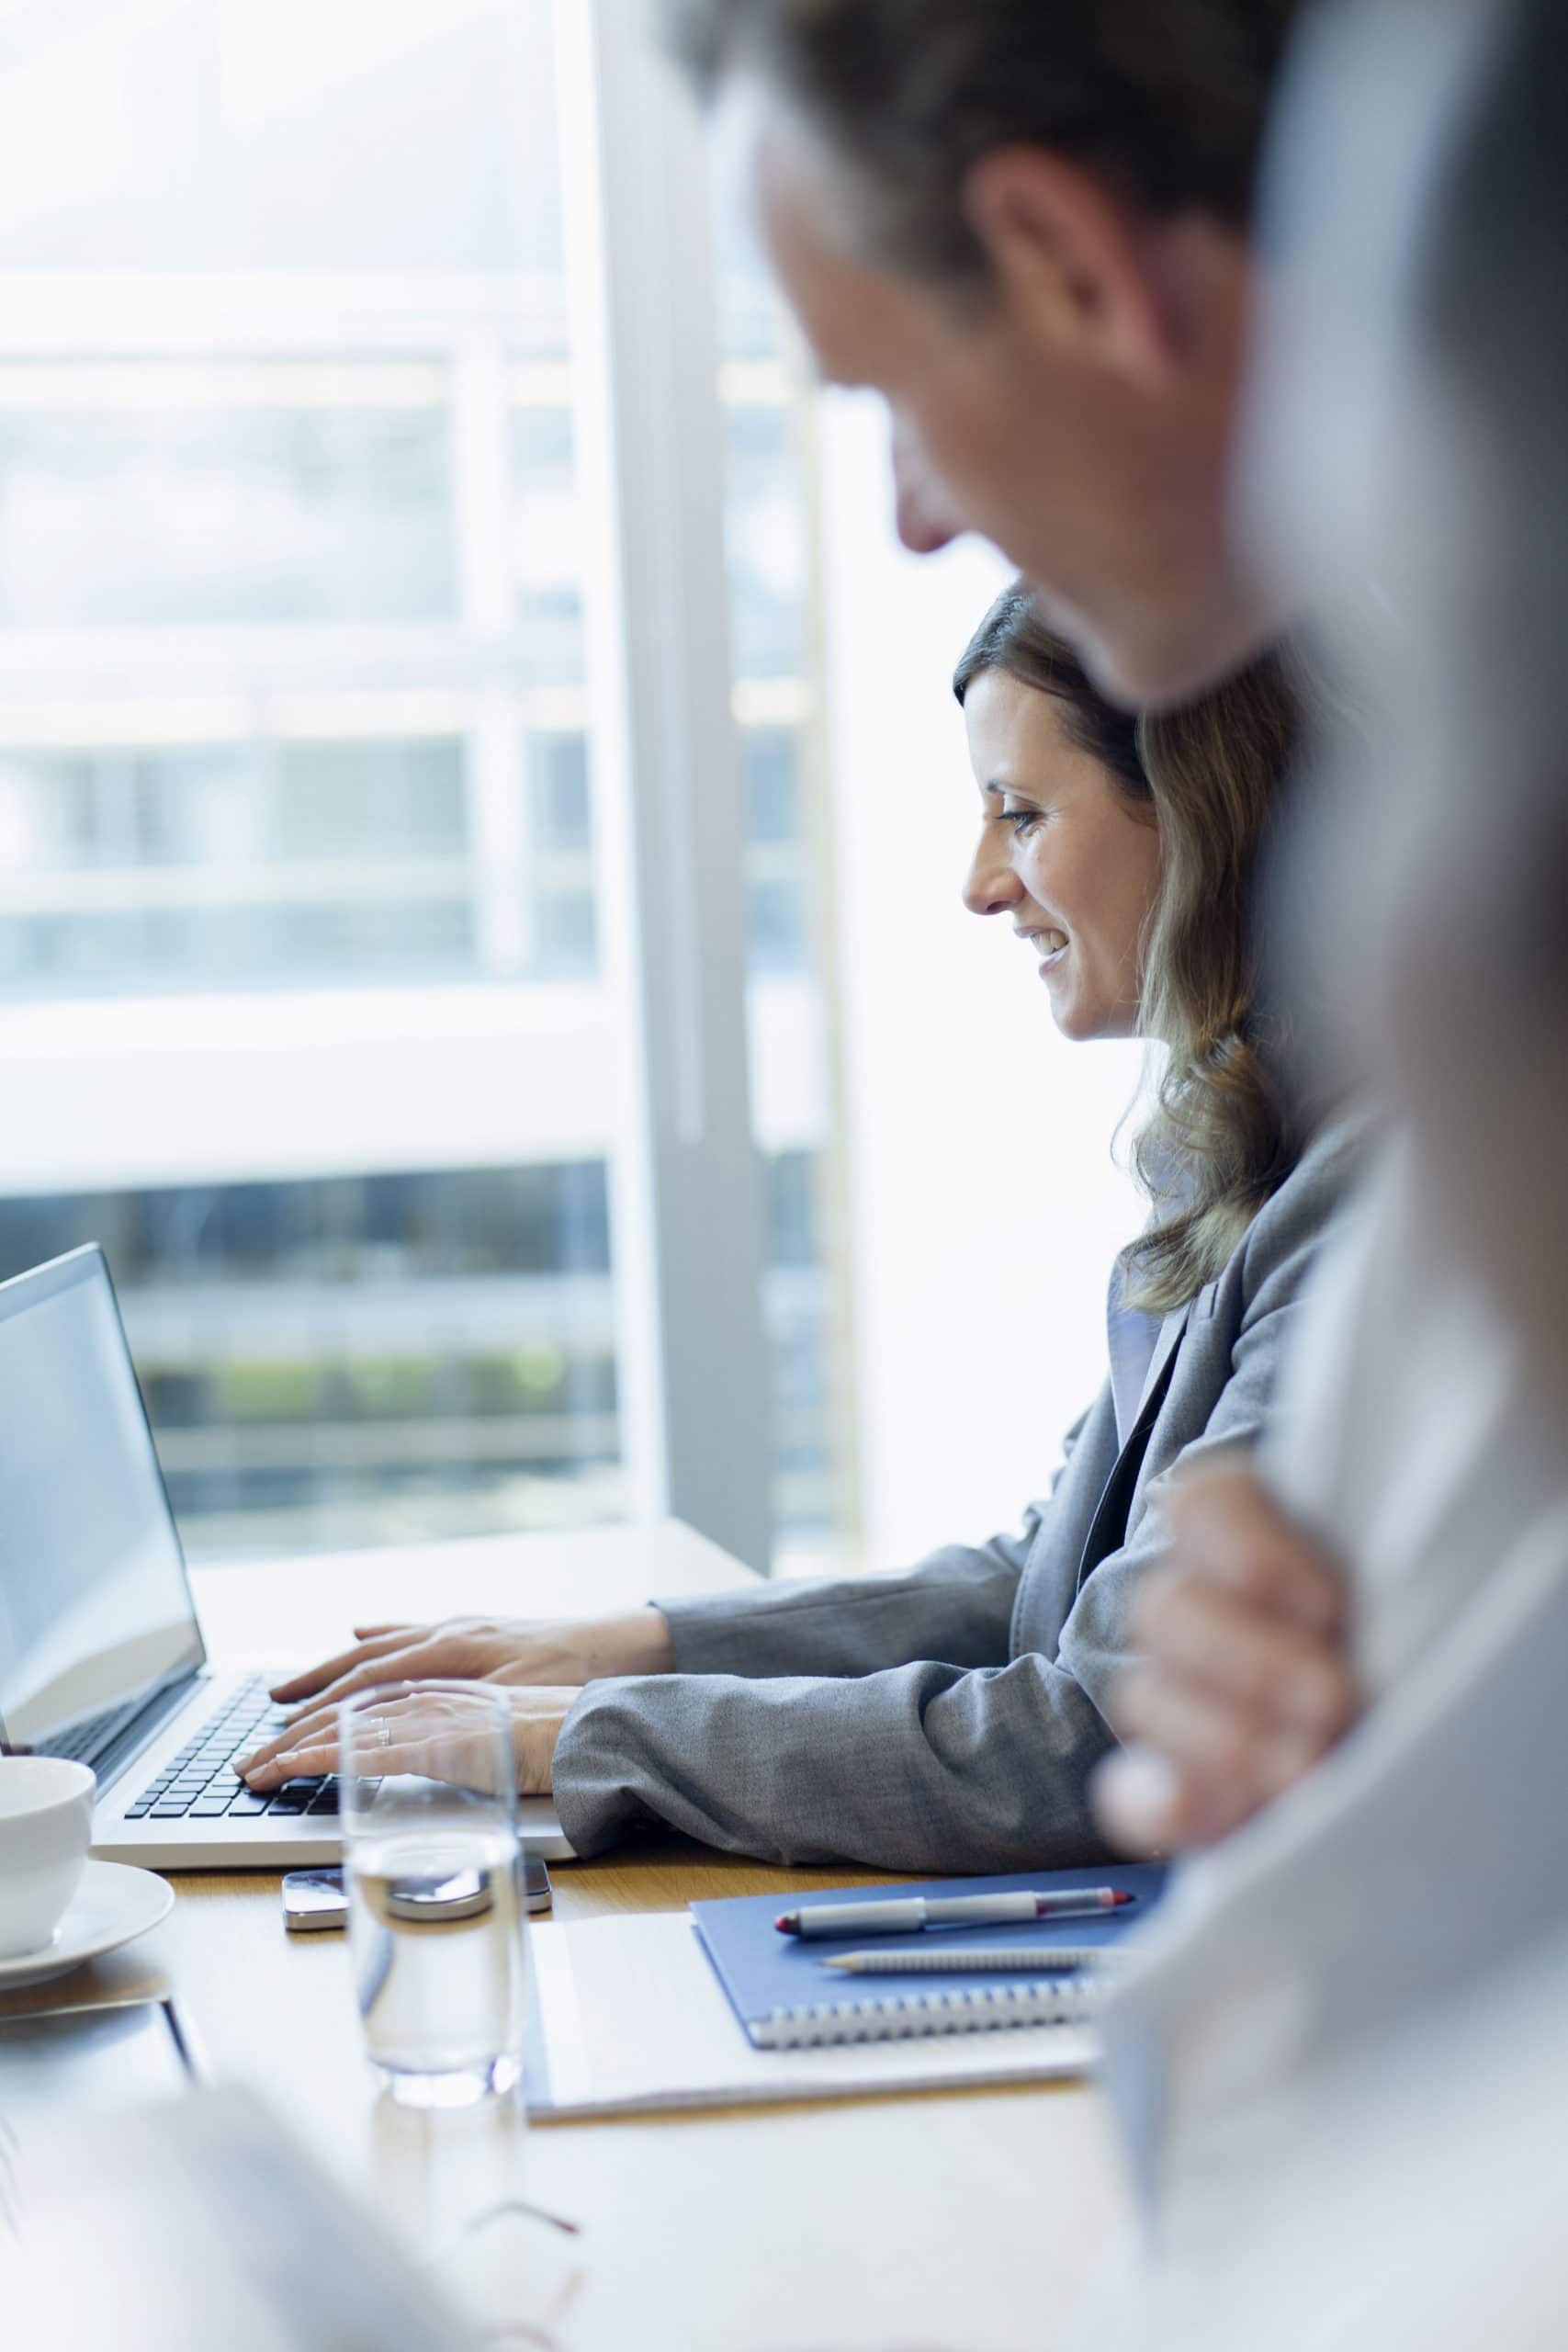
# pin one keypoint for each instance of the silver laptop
(101, 1656)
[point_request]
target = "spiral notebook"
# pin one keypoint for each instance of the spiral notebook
(786, 1998)
(629, 2019)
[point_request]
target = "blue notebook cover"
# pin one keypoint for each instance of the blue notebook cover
(787, 1999)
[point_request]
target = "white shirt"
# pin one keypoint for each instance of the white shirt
(1132, 1337)
(1427, 1850)
(1407, 1435)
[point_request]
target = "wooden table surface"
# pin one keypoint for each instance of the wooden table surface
(963, 2219)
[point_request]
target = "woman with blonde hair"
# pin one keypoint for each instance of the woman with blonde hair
(948, 1719)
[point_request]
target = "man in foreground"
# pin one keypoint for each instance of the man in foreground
(1014, 221)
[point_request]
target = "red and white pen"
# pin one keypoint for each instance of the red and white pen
(904, 1915)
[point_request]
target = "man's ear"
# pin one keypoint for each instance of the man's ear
(1075, 260)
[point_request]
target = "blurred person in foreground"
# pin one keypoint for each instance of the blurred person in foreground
(1012, 219)
(949, 1719)
(1388, 1944)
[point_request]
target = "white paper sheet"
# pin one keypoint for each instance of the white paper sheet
(629, 2015)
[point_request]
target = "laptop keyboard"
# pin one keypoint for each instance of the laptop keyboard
(200, 1783)
(89, 1740)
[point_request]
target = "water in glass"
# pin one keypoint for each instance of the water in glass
(429, 1807)
(437, 1937)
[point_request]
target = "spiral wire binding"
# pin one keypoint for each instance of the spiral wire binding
(911, 2016)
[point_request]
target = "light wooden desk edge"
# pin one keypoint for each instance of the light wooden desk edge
(953, 2219)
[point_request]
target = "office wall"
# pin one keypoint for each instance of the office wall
(985, 1206)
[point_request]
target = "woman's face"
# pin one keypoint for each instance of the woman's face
(1072, 863)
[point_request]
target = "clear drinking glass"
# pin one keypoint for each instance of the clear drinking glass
(432, 1867)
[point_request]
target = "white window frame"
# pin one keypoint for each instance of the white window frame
(686, 1205)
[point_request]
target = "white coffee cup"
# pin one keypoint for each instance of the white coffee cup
(46, 1826)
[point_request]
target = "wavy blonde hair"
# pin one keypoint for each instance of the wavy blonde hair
(1220, 1138)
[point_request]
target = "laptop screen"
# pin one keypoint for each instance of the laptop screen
(96, 1613)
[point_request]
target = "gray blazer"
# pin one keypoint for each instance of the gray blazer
(947, 1720)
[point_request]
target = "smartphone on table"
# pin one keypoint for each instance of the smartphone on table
(315, 1899)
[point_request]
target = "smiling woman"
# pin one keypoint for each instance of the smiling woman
(1069, 850)
(1123, 849)
(948, 1719)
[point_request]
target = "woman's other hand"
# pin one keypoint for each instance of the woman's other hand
(1244, 1680)
(468, 1650)
(413, 1714)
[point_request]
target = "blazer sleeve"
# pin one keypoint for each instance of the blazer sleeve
(957, 1605)
(927, 1765)
(924, 1768)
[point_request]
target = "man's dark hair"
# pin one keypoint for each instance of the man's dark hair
(1168, 97)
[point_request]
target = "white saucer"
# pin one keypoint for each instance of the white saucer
(113, 1904)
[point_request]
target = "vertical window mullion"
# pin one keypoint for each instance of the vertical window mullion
(686, 1191)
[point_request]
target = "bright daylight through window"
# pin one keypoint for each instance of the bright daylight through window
(307, 1010)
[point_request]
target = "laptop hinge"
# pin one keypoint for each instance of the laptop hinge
(129, 1744)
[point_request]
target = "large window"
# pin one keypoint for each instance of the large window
(350, 1358)
(147, 494)
(315, 999)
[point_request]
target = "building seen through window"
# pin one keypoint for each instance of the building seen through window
(377, 1358)
(296, 712)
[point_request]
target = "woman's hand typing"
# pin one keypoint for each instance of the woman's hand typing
(309, 1745)
(510, 1650)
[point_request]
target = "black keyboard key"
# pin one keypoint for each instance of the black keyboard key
(207, 1808)
(249, 1801)
(325, 1800)
(203, 1772)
